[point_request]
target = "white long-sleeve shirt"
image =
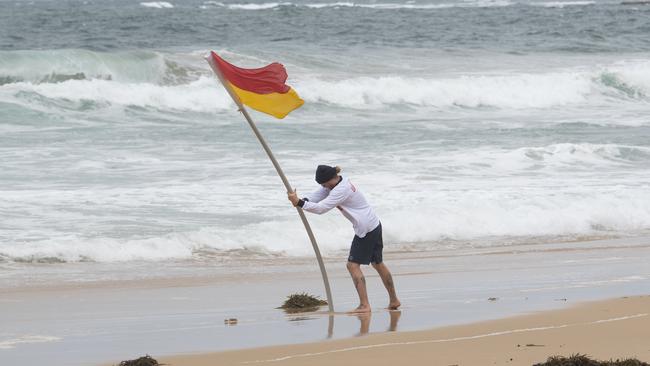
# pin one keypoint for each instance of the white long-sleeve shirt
(349, 200)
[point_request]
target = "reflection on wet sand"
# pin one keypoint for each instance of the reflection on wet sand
(394, 319)
(330, 326)
(364, 321)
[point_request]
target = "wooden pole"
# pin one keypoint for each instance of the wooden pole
(278, 169)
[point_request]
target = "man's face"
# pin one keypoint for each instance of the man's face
(331, 183)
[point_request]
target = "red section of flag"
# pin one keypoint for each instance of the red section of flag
(265, 80)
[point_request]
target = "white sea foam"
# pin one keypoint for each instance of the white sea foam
(458, 210)
(520, 91)
(484, 213)
(12, 343)
(203, 95)
(151, 79)
(550, 159)
(159, 197)
(157, 5)
(44, 66)
(635, 74)
(72, 249)
(384, 6)
(262, 6)
(211, 4)
(512, 91)
(515, 91)
(392, 6)
(562, 4)
(330, 5)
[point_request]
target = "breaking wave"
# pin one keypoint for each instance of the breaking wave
(55, 66)
(389, 5)
(380, 6)
(202, 95)
(157, 5)
(437, 223)
(562, 4)
(554, 159)
(184, 82)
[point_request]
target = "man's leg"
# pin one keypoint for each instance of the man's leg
(360, 284)
(387, 279)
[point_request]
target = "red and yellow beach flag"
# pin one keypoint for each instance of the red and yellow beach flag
(262, 89)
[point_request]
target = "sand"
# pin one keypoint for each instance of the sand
(611, 329)
(79, 314)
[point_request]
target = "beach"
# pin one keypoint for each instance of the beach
(75, 322)
(612, 329)
(504, 146)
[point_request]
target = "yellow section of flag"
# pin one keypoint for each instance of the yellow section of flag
(275, 104)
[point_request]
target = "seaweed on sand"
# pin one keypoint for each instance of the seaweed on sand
(142, 361)
(583, 360)
(302, 302)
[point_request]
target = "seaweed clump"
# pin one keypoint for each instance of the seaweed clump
(302, 302)
(142, 361)
(583, 360)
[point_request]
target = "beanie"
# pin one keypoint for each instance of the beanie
(325, 173)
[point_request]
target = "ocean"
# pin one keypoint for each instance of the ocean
(467, 124)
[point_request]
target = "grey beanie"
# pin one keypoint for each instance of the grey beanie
(325, 173)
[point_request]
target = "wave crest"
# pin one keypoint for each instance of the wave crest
(55, 66)
(157, 5)
(345, 4)
(202, 95)
(443, 218)
(184, 82)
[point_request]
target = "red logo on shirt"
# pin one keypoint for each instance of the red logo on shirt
(354, 189)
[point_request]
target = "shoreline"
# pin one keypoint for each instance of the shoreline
(610, 329)
(124, 319)
(207, 272)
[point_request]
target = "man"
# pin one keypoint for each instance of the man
(367, 245)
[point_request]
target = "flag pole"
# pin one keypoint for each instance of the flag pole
(278, 169)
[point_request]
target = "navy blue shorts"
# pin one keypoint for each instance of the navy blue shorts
(368, 249)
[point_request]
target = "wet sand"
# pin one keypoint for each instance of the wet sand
(74, 314)
(611, 329)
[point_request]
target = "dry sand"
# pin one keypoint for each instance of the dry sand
(617, 328)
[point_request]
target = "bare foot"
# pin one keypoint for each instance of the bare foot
(360, 309)
(394, 305)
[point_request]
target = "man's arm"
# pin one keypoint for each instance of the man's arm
(334, 198)
(317, 195)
